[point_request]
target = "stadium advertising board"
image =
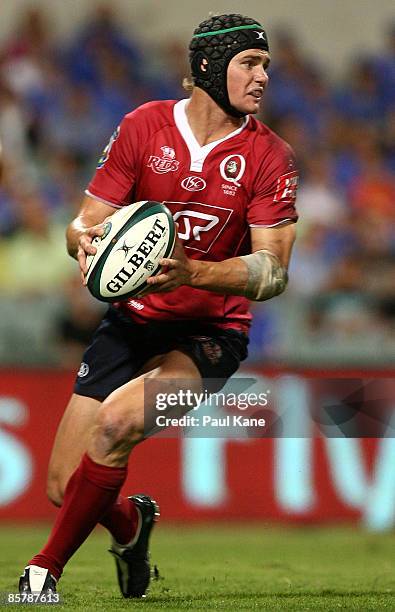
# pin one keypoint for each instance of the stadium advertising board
(310, 469)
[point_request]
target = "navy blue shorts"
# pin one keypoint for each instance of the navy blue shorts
(121, 347)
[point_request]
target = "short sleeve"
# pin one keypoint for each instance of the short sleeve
(114, 179)
(273, 200)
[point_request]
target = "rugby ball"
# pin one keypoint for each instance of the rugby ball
(135, 238)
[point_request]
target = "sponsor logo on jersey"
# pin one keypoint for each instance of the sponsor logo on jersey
(193, 183)
(164, 164)
(287, 185)
(232, 169)
(106, 152)
(201, 222)
(136, 305)
(199, 225)
(84, 370)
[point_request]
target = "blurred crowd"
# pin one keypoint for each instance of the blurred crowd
(60, 104)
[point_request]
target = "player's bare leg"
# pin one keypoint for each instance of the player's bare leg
(119, 423)
(74, 431)
(71, 442)
(93, 488)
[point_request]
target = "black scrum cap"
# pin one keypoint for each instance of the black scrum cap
(214, 43)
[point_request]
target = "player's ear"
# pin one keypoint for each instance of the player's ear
(204, 64)
(201, 65)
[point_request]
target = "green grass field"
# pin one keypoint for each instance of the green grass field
(232, 568)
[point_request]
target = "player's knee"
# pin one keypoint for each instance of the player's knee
(118, 428)
(54, 491)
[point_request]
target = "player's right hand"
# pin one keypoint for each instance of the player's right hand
(85, 246)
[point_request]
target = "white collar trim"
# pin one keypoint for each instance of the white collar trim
(198, 154)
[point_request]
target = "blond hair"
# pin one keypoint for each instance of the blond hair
(188, 83)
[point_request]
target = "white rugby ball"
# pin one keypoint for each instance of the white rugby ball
(135, 238)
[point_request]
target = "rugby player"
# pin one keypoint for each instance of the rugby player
(230, 183)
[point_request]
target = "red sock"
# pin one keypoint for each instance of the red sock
(121, 520)
(90, 492)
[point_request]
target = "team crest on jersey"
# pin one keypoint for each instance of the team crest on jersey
(232, 169)
(166, 163)
(106, 152)
(212, 350)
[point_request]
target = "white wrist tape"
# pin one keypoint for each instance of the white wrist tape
(266, 276)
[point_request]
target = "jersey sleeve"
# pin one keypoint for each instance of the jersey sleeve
(114, 178)
(274, 196)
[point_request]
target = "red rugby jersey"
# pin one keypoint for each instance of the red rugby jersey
(215, 193)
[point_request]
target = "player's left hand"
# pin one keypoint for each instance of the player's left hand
(176, 271)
